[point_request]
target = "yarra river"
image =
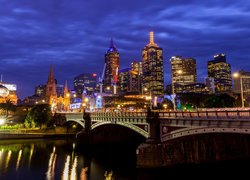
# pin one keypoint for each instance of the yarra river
(52, 159)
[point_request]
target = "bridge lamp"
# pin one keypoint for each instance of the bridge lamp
(173, 89)
(238, 75)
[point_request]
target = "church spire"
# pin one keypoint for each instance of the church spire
(66, 90)
(51, 84)
(51, 78)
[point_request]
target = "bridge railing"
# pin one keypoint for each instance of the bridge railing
(118, 114)
(239, 114)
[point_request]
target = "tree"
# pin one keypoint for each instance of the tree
(7, 107)
(40, 115)
(220, 101)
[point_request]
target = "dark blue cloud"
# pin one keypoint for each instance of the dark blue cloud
(74, 35)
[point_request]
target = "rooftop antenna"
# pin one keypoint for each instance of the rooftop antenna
(1, 78)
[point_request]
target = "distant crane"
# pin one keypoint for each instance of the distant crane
(101, 79)
(115, 80)
(99, 97)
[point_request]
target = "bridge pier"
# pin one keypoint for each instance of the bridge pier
(84, 136)
(149, 153)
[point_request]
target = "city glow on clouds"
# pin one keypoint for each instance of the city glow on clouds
(74, 35)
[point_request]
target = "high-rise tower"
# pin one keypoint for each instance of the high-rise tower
(183, 70)
(112, 61)
(220, 70)
(152, 64)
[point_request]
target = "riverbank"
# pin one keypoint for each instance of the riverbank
(36, 133)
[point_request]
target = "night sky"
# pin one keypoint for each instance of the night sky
(73, 35)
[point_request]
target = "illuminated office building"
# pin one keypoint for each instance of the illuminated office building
(183, 70)
(220, 70)
(137, 67)
(129, 81)
(85, 83)
(152, 64)
(112, 65)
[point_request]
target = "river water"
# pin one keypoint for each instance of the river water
(50, 159)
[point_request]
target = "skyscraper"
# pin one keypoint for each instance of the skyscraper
(183, 70)
(152, 64)
(220, 70)
(112, 61)
(85, 82)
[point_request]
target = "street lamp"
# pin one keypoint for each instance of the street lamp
(173, 89)
(237, 75)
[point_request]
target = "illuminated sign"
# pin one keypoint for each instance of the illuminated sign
(11, 87)
(75, 106)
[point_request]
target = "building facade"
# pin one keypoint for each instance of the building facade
(112, 66)
(85, 83)
(8, 92)
(183, 70)
(152, 65)
(220, 70)
(57, 102)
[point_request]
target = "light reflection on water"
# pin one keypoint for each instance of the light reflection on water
(64, 160)
(52, 160)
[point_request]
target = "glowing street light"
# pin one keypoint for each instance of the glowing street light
(173, 90)
(237, 75)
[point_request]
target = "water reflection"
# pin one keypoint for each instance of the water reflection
(50, 174)
(65, 174)
(31, 153)
(83, 175)
(73, 174)
(7, 161)
(19, 159)
(53, 160)
(108, 175)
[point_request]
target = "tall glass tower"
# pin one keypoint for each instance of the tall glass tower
(152, 64)
(112, 61)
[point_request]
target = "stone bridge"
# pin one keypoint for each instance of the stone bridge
(167, 125)
(179, 137)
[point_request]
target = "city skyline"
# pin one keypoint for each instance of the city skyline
(74, 36)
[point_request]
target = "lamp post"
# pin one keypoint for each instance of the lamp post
(173, 89)
(237, 75)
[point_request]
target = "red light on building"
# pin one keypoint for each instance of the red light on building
(94, 75)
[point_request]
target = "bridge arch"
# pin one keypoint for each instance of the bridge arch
(202, 130)
(144, 133)
(77, 121)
